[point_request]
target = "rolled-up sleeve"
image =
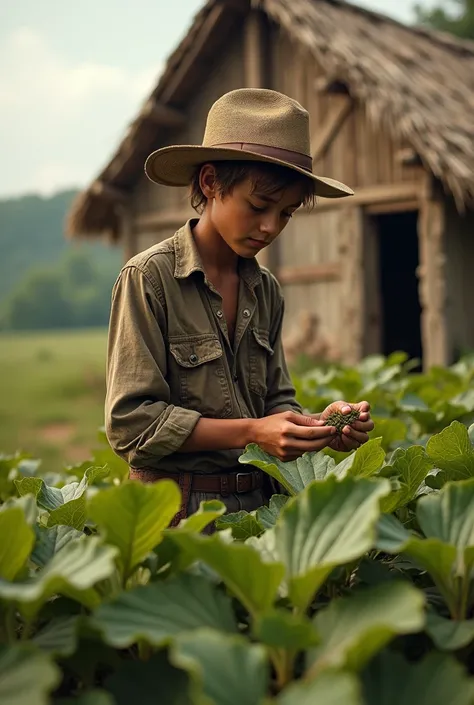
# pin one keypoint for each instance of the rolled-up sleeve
(281, 392)
(141, 424)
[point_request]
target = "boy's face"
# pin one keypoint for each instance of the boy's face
(248, 220)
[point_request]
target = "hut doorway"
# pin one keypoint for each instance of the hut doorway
(396, 260)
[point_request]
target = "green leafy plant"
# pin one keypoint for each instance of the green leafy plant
(354, 585)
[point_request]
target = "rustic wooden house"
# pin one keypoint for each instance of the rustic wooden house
(392, 114)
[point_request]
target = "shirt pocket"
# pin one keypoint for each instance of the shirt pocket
(260, 352)
(198, 375)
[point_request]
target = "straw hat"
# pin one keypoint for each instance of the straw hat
(250, 124)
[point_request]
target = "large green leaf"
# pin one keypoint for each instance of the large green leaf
(228, 669)
(27, 676)
(51, 541)
(268, 515)
(51, 498)
(449, 514)
(295, 475)
(17, 539)
(133, 515)
(353, 629)
(27, 505)
(207, 513)
(152, 682)
(410, 466)
(436, 680)
(169, 556)
(71, 513)
(364, 462)
(252, 580)
(449, 634)
(434, 556)
(329, 524)
(242, 524)
(447, 520)
(284, 630)
(72, 572)
(448, 517)
(157, 612)
(59, 636)
(327, 689)
(451, 451)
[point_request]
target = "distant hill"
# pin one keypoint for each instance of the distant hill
(31, 235)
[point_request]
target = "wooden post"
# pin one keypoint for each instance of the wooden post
(256, 59)
(351, 253)
(373, 323)
(256, 75)
(432, 275)
(127, 235)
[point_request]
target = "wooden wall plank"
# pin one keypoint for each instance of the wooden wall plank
(352, 314)
(433, 294)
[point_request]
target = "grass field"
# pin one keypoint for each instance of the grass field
(52, 389)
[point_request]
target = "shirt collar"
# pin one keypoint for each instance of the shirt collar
(187, 259)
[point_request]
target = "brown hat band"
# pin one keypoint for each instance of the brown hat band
(284, 155)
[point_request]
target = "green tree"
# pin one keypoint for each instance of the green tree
(40, 301)
(32, 236)
(74, 293)
(456, 17)
(79, 269)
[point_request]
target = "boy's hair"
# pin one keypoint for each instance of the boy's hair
(266, 177)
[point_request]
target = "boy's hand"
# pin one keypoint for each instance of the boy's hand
(288, 435)
(355, 435)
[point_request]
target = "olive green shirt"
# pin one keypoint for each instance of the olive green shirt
(170, 361)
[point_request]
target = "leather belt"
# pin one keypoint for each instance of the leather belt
(222, 483)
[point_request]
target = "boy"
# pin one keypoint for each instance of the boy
(195, 364)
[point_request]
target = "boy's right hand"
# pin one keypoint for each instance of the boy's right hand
(288, 435)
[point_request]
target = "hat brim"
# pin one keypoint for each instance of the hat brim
(175, 166)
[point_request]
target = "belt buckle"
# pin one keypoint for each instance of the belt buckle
(237, 478)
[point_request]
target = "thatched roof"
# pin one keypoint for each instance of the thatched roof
(416, 83)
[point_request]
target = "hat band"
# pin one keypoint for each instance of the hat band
(285, 155)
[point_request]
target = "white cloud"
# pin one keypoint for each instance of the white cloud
(60, 120)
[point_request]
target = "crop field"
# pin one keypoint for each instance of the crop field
(52, 394)
(354, 586)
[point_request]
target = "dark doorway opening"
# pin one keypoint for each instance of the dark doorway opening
(400, 307)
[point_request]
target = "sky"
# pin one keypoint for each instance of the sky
(75, 74)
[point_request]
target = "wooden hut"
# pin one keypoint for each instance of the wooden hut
(392, 114)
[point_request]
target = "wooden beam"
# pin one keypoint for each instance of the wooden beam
(393, 207)
(197, 47)
(162, 219)
(309, 274)
(371, 195)
(255, 55)
(325, 84)
(408, 157)
(163, 115)
(340, 110)
(109, 192)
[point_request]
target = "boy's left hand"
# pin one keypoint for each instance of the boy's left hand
(354, 436)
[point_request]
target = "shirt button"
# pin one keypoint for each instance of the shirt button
(246, 313)
(193, 359)
(219, 314)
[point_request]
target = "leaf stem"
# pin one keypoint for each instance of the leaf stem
(464, 597)
(283, 662)
(26, 631)
(10, 624)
